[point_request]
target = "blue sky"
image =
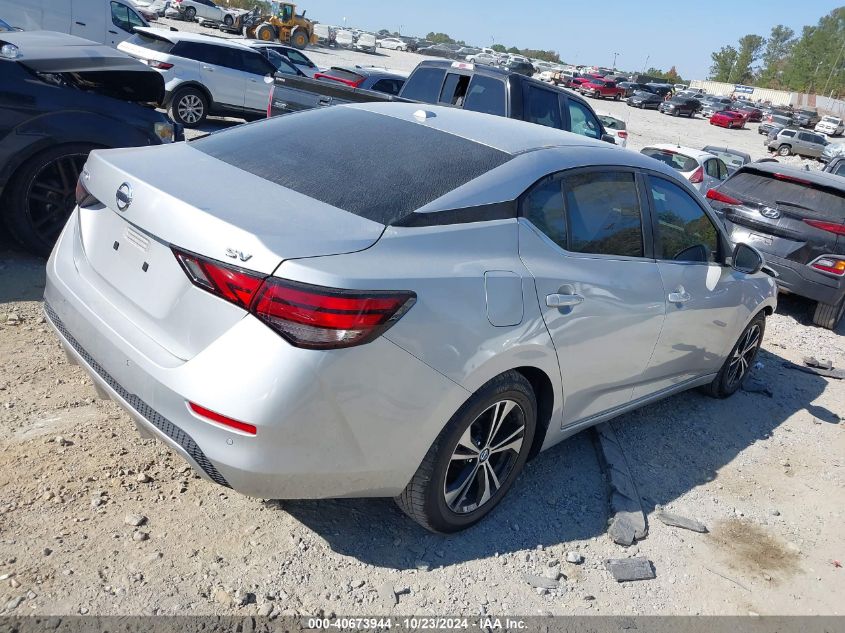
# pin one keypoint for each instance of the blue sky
(680, 33)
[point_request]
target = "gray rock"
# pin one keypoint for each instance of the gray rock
(135, 520)
(627, 569)
(265, 609)
(540, 582)
(140, 536)
(388, 594)
(221, 597)
(14, 603)
(143, 478)
(774, 512)
(422, 565)
(357, 584)
(552, 573)
(574, 557)
(676, 520)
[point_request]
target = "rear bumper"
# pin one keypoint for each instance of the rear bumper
(325, 428)
(801, 280)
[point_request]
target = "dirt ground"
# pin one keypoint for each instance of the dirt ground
(763, 473)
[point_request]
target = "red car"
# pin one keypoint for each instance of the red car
(601, 89)
(728, 118)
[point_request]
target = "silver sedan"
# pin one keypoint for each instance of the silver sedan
(378, 300)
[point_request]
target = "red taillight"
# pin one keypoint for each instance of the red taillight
(829, 264)
(718, 196)
(788, 178)
(320, 318)
(159, 65)
(228, 282)
(348, 82)
(831, 227)
(222, 419)
(622, 134)
(270, 101)
(307, 316)
(697, 176)
(83, 196)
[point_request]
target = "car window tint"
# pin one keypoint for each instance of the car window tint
(280, 62)
(775, 190)
(388, 86)
(581, 120)
(124, 18)
(253, 63)
(424, 85)
(151, 43)
(541, 107)
(298, 58)
(840, 169)
(454, 89)
(603, 212)
(712, 167)
(543, 207)
(673, 159)
(684, 231)
(487, 95)
(789, 133)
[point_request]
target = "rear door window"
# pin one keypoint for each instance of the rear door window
(388, 86)
(487, 95)
(543, 207)
(253, 63)
(711, 167)
(581, 120)
(541, 106)
(424, 85)
(603, 213)
(454, 89)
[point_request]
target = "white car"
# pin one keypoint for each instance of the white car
(344, 38)
(366, 42)
(830, 125)
(615, 127)
(204, 75)
(203, 10)
(392, 44)
(702, 169)
(483, 58)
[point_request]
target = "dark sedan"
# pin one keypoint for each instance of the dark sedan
(753, 114)
(62, 97)
(643, 99)
(679, 106)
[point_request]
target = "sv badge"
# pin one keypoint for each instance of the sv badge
(235, 254)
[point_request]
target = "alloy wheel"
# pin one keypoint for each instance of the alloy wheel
(51, 195)
(190, 108)
(484, 457)
(743, 354)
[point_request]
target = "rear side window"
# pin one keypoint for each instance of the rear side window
(711, 167)
(298, 58)
(454, 89)
(388, 86)
(779, 191)
(487, 95)
(788, 133)
(541, 107)
(384, 170)
(603, 211)
(543, 206)
(424, 85)
(839, 170)
(685, 233)
(150, 43)
(581, 120)
(254, 63)
(125, 18)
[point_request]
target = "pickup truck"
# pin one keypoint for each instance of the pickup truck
(601, 89)
(457, 84)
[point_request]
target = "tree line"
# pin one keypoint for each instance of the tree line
(811, 62)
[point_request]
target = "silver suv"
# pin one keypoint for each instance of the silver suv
(790, 141)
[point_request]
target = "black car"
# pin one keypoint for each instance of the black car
(805, 118)
(796, 218)
(523, 68)
(660, 89)
(61, 97)
(680, 106)
(630, 88)
(643, 99)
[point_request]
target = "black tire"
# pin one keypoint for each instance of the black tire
(784, 150)
(228, 20)
(828, 315)
(266, 33)
(727, 382)
(425, 497)
(299, 39)
(41, 196)
(190, 14)
(189, 107)
(617, 97)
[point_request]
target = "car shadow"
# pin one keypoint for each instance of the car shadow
(672, 447)
(22, 275)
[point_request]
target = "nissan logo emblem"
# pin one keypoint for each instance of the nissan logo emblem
(124, 196)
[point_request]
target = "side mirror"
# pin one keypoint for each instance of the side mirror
(608, 138)
(747, 259)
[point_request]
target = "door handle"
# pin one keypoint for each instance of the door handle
(324, 100)
(563, 301)
(208, 68)
(112, 32)
(679, 296)
(83, 24)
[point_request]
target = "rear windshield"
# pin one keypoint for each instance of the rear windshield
(378, 167)
(769, 188)
(675, 160)
(151, 43)
(610, 123)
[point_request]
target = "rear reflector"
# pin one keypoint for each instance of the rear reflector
(321, 318)
(312, 317)
(718, 196)
(622, 134)
(831, 265)
(222, 419)
(83, 196)
(697, 176)
(159, 65)
(831, 227)
(228, 282)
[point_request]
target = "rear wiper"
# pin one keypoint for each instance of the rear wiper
(792, 204)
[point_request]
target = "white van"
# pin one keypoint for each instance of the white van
(106, 21)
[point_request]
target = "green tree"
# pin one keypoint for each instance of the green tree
(439, 38)
(778, 48)
(514, 50)
(723, 63)
(750, 49)
(499, 48)
(815, 62)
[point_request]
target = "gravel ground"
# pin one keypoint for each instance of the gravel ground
(95, 520)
